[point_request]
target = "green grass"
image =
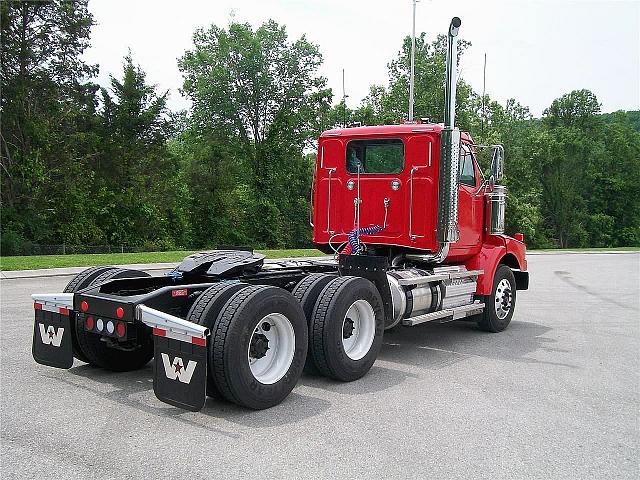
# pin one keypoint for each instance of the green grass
(56, 261)
(589, 249)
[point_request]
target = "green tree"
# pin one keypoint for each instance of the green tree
(142, 189)
(260, 94)
(579, 108)
(48, 134)
(591, 175)
(388, 105)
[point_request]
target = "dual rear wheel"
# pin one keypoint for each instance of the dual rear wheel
(345, 319)
(258, 342)
(262, 336)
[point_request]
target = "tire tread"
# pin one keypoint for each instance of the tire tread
(320, 317)
(219, 339)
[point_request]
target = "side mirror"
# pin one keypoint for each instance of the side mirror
(497, 163)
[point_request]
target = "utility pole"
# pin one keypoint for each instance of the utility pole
(484, 86)
(344, 103)
(413, 62)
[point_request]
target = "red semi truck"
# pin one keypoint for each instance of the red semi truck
(418, 236)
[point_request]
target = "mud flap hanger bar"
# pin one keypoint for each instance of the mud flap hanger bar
(54, 301)
(180, 358)
(175, 327)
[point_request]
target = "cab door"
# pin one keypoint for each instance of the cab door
(421, 192)
(470, 202)
(327, 204)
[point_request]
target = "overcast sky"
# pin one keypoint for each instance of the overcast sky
(536, 50)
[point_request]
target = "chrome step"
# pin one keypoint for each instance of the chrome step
(447, 315)
(439, 277)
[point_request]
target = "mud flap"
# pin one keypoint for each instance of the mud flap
(180, 371)
(52, 338)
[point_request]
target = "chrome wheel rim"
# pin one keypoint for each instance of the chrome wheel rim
(271, 348)
(503, 299)
(358, 329)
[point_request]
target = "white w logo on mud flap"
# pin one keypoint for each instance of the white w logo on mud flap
(50, 336)
(177, 370)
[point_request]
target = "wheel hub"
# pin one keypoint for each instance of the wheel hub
(358, 329)
(503, 299)
(271, 348)
(259, 346)
(347, 328)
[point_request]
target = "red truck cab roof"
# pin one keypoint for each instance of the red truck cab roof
(384, 130)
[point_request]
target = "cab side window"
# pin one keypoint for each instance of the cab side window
(467, 170)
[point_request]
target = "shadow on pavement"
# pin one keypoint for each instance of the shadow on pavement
(294, 408)
(430, 346)
(378, 379)
(133, 389)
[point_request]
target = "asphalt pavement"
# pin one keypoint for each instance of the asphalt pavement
(557, 395)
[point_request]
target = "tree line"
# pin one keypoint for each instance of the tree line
(84, 164)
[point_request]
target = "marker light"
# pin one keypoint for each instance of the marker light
(119, 312)
(84, 306)
(120, 329)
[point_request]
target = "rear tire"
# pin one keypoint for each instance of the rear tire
(80, 281)
(347, 328)
(238, 344)
(307, 292)
(204, 312)
(97, 352)
(499, 306)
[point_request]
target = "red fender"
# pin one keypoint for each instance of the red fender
(496, 250)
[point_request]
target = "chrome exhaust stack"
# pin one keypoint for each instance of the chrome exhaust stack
(447, 231)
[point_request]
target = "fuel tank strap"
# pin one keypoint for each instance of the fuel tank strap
(439, 277)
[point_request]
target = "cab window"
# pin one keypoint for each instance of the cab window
(467, 170)
(375, 156)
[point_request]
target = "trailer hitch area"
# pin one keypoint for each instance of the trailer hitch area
(180, 358)
(52, 343)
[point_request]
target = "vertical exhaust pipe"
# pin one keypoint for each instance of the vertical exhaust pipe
(447, 231)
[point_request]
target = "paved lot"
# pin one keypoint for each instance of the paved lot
(557, 395)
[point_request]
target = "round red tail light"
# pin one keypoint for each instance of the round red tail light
(84, 306)
(119, 312)
(120, 329)
(89, 323)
